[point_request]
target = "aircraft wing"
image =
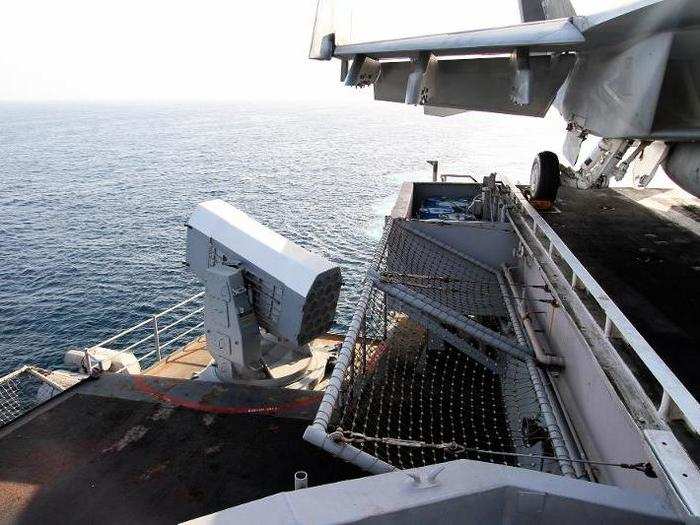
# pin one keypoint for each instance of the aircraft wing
(627, 73)
(543, 36)
(622, 57)
(437, 72)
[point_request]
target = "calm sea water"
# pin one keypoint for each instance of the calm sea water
(93, 198)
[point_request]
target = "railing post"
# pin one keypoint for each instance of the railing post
(434, 164)
(156, 337)
(89, 361)
(665, 406)
(668, 410)
(608, 327)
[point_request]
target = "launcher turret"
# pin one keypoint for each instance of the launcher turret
(266, 297)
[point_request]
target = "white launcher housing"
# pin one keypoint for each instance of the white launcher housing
(256, 278)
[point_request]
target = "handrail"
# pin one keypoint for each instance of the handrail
(32, 370)
(14, 373)
(182, 319)
(673, 388)
(144, 323)
(155, 336)
(180, 304)
(444, 176)
(125, 332)
(22, 390)
(183, 334)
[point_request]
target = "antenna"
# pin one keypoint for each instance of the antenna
(266, 297)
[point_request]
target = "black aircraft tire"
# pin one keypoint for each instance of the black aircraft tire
(544, 177)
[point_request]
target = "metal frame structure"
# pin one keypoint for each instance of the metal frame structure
(543, 245)
(444, 176)
(421, 308)
(19, 391)
(154, 337)
(675, 394)
(33, 370)
(317, 432)
(156, 332)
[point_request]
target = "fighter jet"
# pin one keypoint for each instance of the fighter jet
(630, 76)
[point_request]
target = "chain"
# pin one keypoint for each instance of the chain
(346, 436)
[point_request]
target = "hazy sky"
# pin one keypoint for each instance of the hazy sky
(201, 50)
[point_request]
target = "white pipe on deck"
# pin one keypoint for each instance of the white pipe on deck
(540, 354)
(301, 480)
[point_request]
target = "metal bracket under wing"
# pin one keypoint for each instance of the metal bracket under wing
(522, 77)
(420, 84)
(478, 84)
(363, 72)
(437, 111)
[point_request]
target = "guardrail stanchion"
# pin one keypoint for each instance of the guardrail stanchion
(608, 330)
(156, 337)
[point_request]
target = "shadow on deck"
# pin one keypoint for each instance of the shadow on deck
(138, 449)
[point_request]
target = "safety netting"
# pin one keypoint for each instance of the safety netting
(433, 369)
(26, 388)
(18, 394)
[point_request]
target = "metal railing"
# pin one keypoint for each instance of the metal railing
(155, 332)
(19, 391)
(675, 394)
(444, 176)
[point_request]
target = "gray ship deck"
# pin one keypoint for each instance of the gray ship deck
(647, 263)
(138, 449)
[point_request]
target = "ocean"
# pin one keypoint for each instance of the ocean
(94, 197)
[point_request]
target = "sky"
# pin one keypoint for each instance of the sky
(216, 50)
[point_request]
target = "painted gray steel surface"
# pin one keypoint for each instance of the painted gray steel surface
(254, 279)
(456, 492)
(294, 312)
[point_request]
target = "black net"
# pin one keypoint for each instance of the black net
(408, 380)
(19, 393)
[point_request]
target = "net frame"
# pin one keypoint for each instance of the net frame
(391, 363)
(20, 392)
